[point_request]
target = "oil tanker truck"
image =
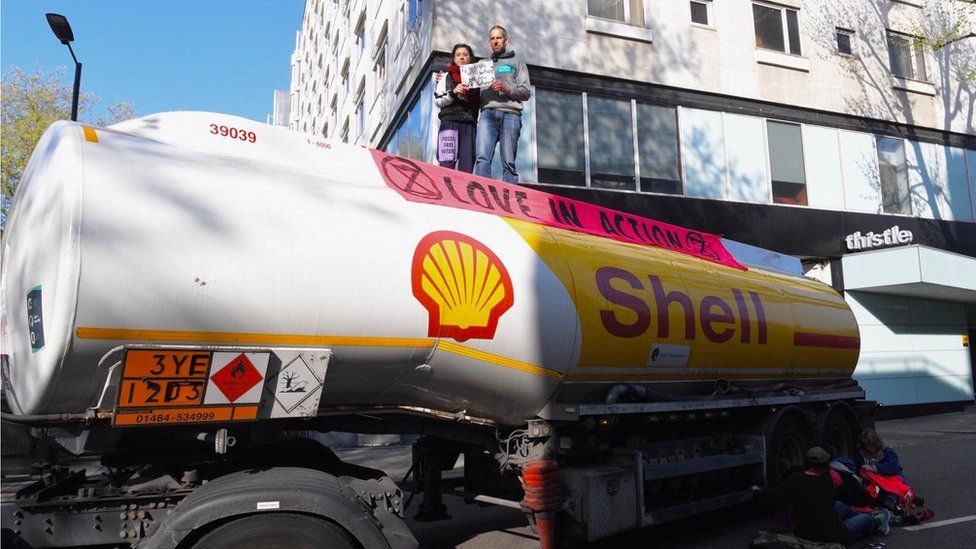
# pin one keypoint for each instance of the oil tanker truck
(186, 296)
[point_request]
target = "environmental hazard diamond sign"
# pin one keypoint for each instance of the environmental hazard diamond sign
(296, 383)
(236, 378)
(295, 388)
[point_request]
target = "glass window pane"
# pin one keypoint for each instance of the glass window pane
(971, 169)
(391, 147)
(611, 143)
(559, 142)
(786, 163)
(699, 13)
(860, 165)
(657, 145)
(919, 66)
(925, 179)
(702, 153)
(899, 53)
(637, 12)
(747, 158)
(844, 42)
(427, 124)
(793, 29)
(414, 133)
(769, 27)
(607, 9)
(893, 172)
(825, 187)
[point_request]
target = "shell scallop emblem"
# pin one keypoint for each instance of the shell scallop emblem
(462, 284)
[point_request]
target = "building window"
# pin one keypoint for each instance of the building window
(701, 12)
(625, 11)
(907, 59)
(777, 28)
(345, 75)
(360, 109)
(335, 111)
(361, 119)
(413, 135)
(381, 66)
(893, 172)
(845, 41)
(786, 166)
(611, 141)
(559, 137)
(344, 136)
(657, 145)
(413, 13)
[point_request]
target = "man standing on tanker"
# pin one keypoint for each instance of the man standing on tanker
(501, 108)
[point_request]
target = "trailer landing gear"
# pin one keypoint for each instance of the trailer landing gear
(543, 497)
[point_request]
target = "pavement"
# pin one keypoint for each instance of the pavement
(938, 453)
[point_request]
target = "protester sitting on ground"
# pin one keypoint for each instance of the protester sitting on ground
(848, 487)
(459, 108)
(875, 457)
(816, 515)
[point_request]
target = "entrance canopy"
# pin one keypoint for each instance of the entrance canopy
(913, 271)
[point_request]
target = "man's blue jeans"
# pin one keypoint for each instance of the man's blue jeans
(855, 522)
(503, 128)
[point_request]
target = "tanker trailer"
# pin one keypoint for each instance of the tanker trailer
(184, 290)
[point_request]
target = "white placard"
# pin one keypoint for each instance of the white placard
(296, 389)
(478, 75)
(668, 355)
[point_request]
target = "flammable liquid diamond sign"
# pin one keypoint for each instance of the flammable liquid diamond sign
(236, 378)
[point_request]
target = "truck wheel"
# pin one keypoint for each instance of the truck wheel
(276, 531)
(787, 448)
(836, 434)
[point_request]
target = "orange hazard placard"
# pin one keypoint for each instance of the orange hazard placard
(198, 414)
(152, 378)
(167, 386)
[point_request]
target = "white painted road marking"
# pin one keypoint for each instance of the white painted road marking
(939, 523)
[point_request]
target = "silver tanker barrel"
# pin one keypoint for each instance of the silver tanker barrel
(414, 285)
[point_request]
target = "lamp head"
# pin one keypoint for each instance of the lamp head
(62, 30)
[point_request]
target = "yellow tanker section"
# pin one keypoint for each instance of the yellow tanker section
(652, 314)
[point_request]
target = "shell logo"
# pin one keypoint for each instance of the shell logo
(462, 284)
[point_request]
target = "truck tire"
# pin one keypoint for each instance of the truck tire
(787, 448)
(836, 432)
(276, 531)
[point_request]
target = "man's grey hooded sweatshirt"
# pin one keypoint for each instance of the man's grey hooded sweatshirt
(511, 70)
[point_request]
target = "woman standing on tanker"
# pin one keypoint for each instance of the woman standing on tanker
(459, 108)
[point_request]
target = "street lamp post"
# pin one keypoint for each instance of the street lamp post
(62, 30)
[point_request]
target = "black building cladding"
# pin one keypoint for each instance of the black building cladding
(801, 232)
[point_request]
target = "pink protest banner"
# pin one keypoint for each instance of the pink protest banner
(421, 182)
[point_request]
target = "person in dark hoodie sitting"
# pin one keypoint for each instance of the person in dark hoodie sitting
(816, 516)
(459, 107)
(501, 108)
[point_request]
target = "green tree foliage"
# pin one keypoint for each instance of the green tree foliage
(32, 101)
(945, 23)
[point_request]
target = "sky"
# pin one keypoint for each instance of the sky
(209, 55)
